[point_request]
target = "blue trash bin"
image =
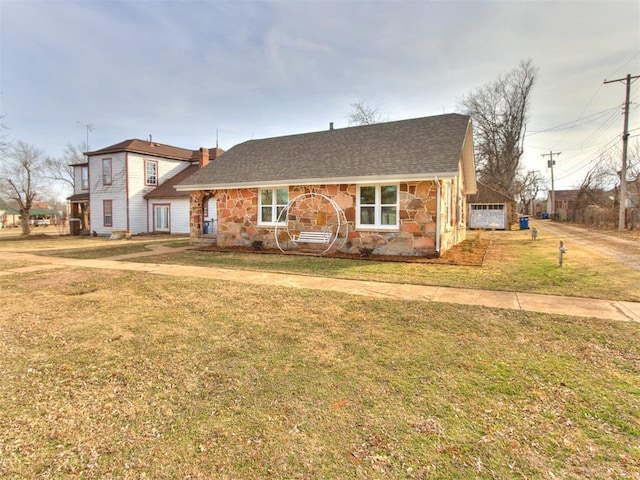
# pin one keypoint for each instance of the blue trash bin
(524, 223)
(206, 228)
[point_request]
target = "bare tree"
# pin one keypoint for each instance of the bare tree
(364, 114)
(60, 169)
(633, 175)
(21, 178)
(592, 190)
(526, 188)
(4, 142)
(500, 112)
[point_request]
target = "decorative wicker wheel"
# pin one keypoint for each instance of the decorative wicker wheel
(298, 227)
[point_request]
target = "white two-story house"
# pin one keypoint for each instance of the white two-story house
(129, 187)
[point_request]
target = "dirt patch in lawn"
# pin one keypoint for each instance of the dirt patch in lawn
(467, 253)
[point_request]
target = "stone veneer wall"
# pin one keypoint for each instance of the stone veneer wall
(238, 219)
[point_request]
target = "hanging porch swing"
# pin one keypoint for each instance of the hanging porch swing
(311, 223)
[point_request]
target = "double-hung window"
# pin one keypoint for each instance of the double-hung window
(151, 172)
(84, 175)
(106, 171)
(107, 213)
(378, 207)
(272, 201)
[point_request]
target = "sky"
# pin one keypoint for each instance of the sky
(196, 73)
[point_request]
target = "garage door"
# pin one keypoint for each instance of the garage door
(488, 216)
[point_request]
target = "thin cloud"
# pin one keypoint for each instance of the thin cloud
(183, 70)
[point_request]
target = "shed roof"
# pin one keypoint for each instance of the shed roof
(168, 188)
(564, 195)
(79, 197)
(9, 210)
(401, 150)
(486, 194)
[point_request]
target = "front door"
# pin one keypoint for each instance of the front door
(161, 218)
(211, 216)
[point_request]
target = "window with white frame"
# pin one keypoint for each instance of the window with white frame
(378, 207)
(150, 172)
(271, 203)
(106, 171)
(84, 176)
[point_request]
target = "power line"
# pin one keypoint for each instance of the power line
(587, 163)
(573, 123)
(593, 141)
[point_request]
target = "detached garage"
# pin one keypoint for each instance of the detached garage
(490, 210)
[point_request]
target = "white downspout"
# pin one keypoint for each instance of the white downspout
(438, 200)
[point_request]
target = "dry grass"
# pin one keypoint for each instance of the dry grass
(511, 263)
(127, 375)
(92, 247)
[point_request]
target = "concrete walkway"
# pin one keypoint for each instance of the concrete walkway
(581, 307)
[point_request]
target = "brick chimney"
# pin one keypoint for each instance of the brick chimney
(203, 157)
(215, 153)
(206, 155)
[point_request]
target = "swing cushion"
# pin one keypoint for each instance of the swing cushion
(313, 237)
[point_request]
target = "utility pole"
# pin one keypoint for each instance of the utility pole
(550, 163)
(625, 140)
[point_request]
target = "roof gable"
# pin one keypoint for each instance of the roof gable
(565, 195)
(486, 194)
(405, 149)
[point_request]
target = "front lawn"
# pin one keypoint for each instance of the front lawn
(111, 374)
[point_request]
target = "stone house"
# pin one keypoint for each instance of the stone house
(399, 188)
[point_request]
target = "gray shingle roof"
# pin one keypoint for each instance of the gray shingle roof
(403, 149)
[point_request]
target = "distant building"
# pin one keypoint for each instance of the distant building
(490, 209)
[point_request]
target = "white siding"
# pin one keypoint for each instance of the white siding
(77, 180)
(137, 190)
(179, 211)
(116, 192)
(140, 210)
(131, 211)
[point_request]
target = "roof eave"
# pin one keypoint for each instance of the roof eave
(321, 181)
(139, 152)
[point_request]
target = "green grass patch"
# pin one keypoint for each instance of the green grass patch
(512, 263)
